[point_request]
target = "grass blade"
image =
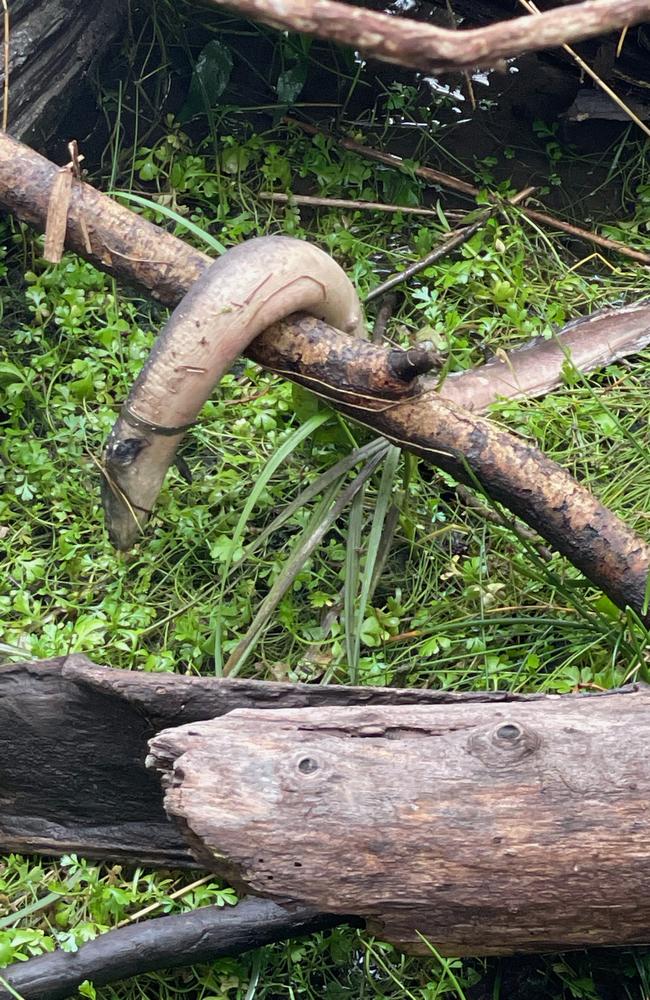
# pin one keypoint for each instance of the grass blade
(274, 462)
(169, 213)
(310, 539)
(384, 496)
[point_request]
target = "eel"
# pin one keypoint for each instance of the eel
(247, 289)
(538, 366)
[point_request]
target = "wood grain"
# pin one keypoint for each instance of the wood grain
(73, 742)
(487, 828)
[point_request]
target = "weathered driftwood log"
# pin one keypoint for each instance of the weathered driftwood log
(492, 822)
(162, 943)
(73, 743)
(52, 45)
(437, 50)
(361, 380)
(487, 828)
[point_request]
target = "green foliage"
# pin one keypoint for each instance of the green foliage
(209, 80)
(407, 584)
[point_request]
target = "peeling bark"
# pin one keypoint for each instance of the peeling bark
(488, 829)
(438, 50)
(360, 380)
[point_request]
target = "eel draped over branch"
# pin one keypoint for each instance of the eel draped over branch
(371, 383)
(250, 287)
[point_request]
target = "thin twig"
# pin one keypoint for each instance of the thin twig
(373, 206)
(454, 240)
(586, 68)
(457, 238)
(462, 187)
(178, 894)
(390, 159)
(552, 222)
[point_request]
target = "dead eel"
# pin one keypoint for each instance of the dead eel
(250, 287)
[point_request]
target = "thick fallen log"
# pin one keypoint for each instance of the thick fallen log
(52, 46)
(73, 743)
(492, 822)
(487, 828)
(162, 943)
(370, 384)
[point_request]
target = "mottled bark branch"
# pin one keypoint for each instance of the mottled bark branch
(360, 379)
(437, 50)
(473, 449)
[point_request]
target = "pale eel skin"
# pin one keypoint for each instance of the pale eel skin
(249, 288)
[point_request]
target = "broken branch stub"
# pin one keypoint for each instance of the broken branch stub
(488, 829)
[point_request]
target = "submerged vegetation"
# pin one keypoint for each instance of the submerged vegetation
(411, 585)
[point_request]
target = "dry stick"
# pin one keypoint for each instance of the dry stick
(437, 50)
(586, 68)
(368, 383)
(373, 206)
(544, 219)
(456, 239)
(390, 159)
(436, 177)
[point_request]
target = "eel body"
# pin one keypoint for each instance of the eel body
(537, 367)
(249, 288)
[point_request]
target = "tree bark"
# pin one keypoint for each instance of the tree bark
(52, 46)
(73, 742)
(360, 379)
(486, 828)
(438, 50)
